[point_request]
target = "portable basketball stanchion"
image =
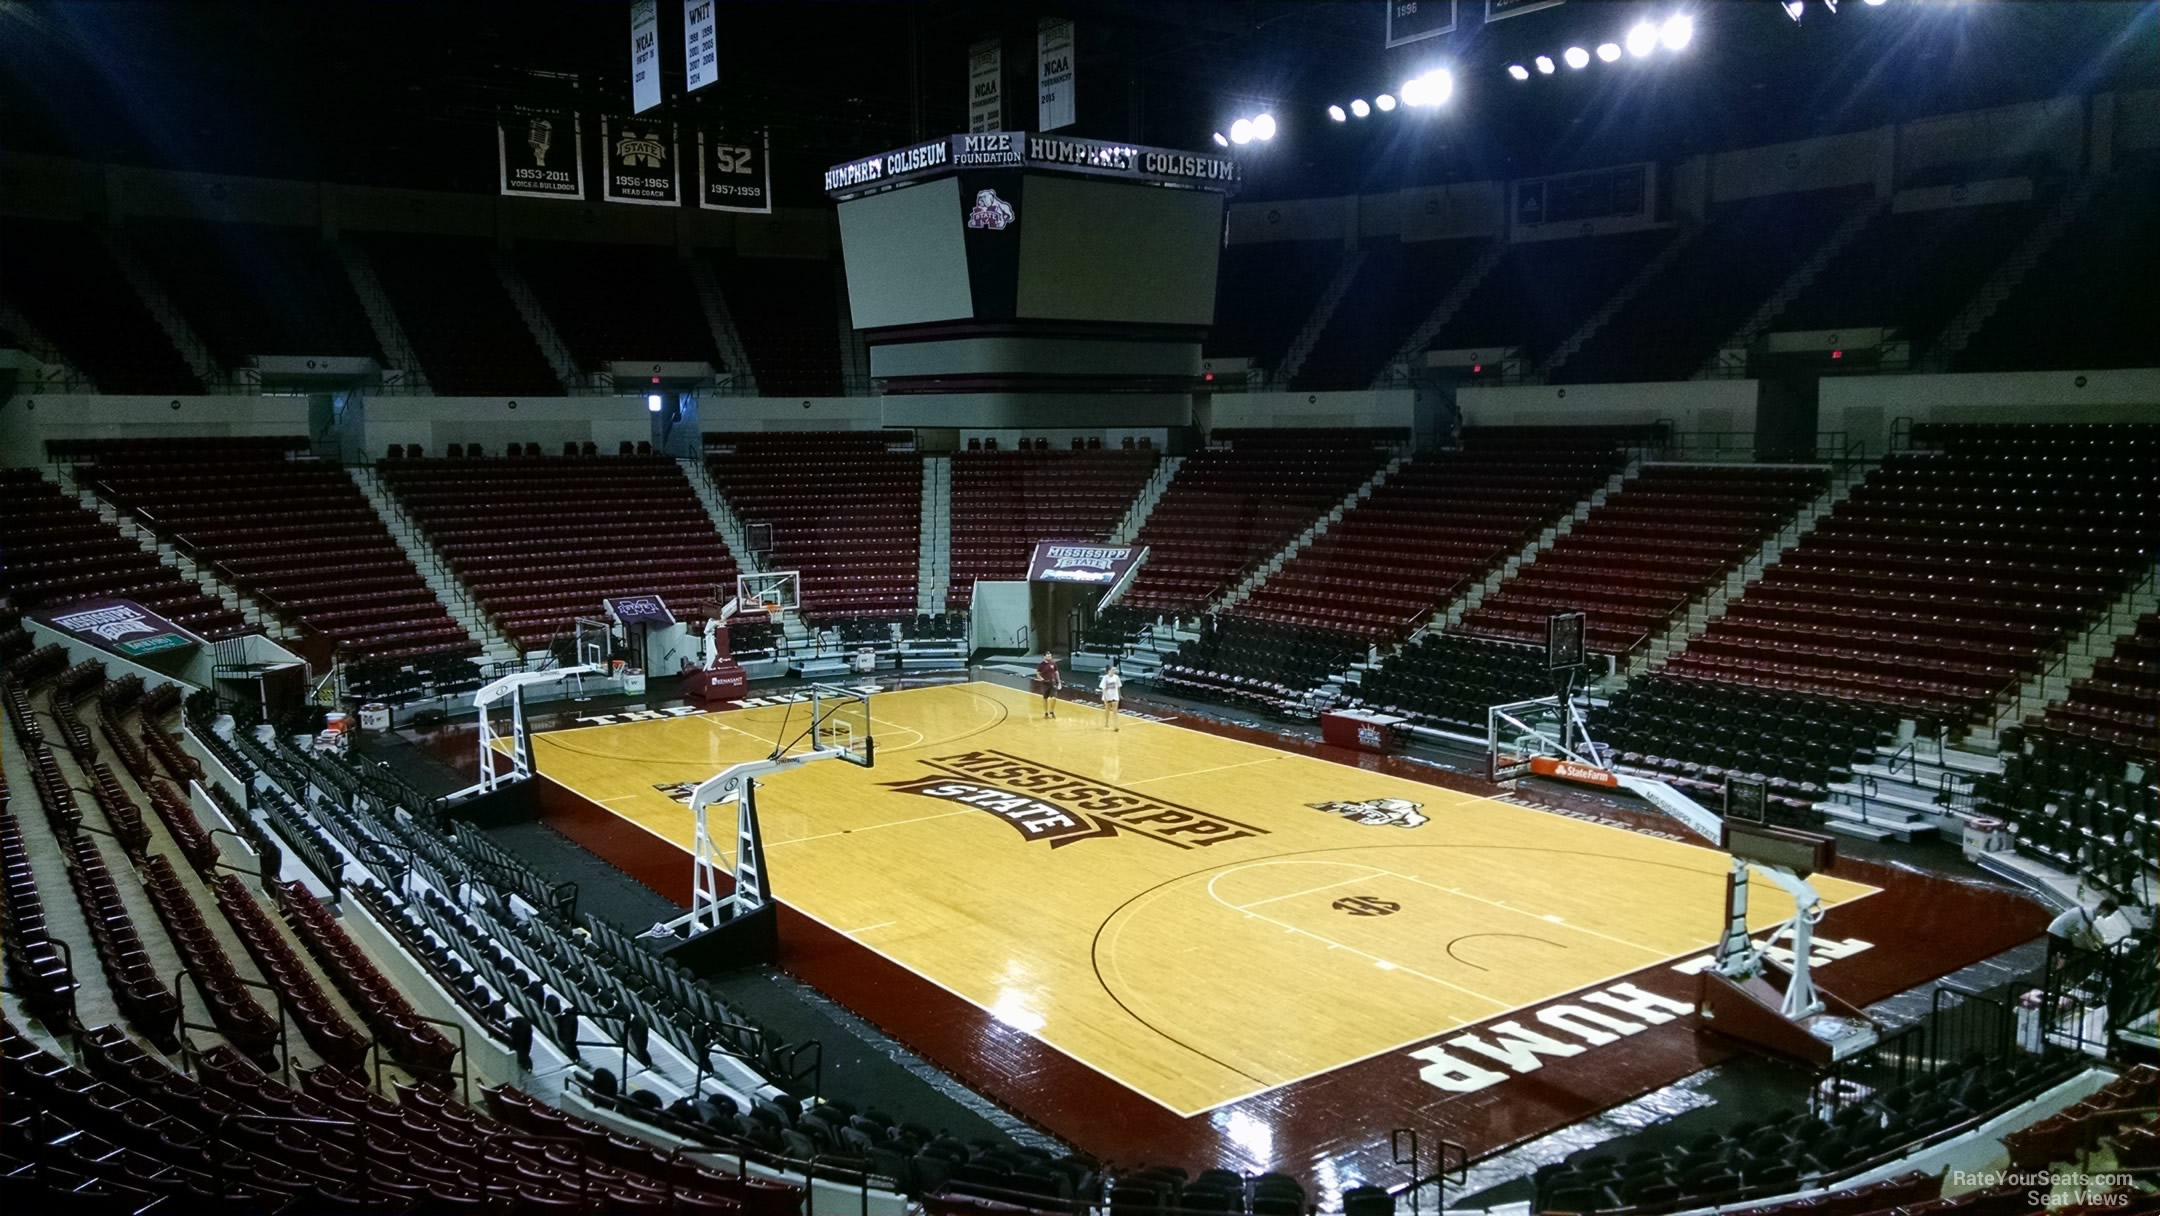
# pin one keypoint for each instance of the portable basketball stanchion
(831, 737)
(512, 686)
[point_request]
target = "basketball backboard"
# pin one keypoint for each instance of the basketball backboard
(773, 591)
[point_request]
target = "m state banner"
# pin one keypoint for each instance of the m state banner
(1054, 103)
(701, 46)
(541, 152)
(734, 174)
(123, 627)
(644, 55)
(986, 87)
(639, 162)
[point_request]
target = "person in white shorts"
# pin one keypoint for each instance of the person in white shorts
(1112, 685)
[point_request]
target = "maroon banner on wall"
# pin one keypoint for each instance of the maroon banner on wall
(1087, 565)
(123, 627)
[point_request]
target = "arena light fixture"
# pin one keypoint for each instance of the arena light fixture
(652, 403)
(1359, 108)
(1677, 32)
(1221, 140)
(1263, 127)
(1608, 52)
(1431, 89)
(1642, 38)
(1241, 131)
(1336, 113)
(1793, 8)
(1576, 57)
(1518, 71)
(1544, 65)
(1385, 102)
(1872, 3)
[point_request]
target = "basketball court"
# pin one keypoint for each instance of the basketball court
(1159, 903)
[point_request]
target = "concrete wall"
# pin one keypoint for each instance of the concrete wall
(27, 422)
(1865, 407)
(1389, 407)
(492, 422)
(1691, 405)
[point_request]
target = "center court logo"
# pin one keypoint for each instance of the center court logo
(1052, 805)
(1377, 812)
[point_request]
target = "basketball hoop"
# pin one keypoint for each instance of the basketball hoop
(773, 611)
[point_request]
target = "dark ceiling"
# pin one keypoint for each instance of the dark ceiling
(403, 92)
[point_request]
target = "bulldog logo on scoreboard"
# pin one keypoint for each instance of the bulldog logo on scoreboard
(990, 212)
(1377, 812)
(1052, 805)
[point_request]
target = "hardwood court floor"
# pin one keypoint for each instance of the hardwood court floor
(1198, 918)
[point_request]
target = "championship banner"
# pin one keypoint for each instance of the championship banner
(541, 153)
(1054, 103)
(644, 55)
(639, 158)
(734, 175)
(1409, 21)
(701, 47)
(1086, 565)
(986, 86)
(649, 611)
(1498, 9)
(122, 627)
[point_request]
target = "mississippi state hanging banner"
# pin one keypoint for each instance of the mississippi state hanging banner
(639, 155)
(539, 150)
(734, 174)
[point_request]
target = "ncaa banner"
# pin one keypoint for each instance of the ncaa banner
(1495, 10)
(540, 152)
(986, 86)
(639, 155)
(1053, 74)
(1410, 21)
(734, 174)
(701, 47)
(644, 55)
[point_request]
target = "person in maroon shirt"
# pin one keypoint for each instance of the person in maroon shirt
(1046, 676)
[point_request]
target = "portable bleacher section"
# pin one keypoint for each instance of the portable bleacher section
(540, 542)
(845, 509)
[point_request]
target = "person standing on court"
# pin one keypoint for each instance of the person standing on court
(1112, 685)
(1046, 676)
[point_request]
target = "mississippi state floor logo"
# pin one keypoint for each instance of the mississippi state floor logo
(1061, 808)
(1366, 905)
(1376, 812)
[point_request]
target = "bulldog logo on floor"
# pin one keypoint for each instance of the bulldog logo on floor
(1376, 812)
(1050, 804)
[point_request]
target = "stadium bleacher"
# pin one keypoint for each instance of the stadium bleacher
(541, 541)
(787, 311)
(617, 303)
(66, 282)
(1912, 271)
(1542, 291)
(1233, 505)
(58, 551)
(845, 509)
(1396, 285)
(1004, 503)
(461, 322)
(252, 289)
(1263, 293)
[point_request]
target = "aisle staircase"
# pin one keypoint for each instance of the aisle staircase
(166, 313)
(722, 515)
(551, 343)
(933, 561)
(1803, 275)
(33, 341)
(1620, 299)
(253, 611)
(404, 373)
(1695, 618)
(495, 646)
(1314, 531)
(1143, 504)
(1959, 332)
(1323, 311)
(1412, 352)
(1462, 605)
(737, 376)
